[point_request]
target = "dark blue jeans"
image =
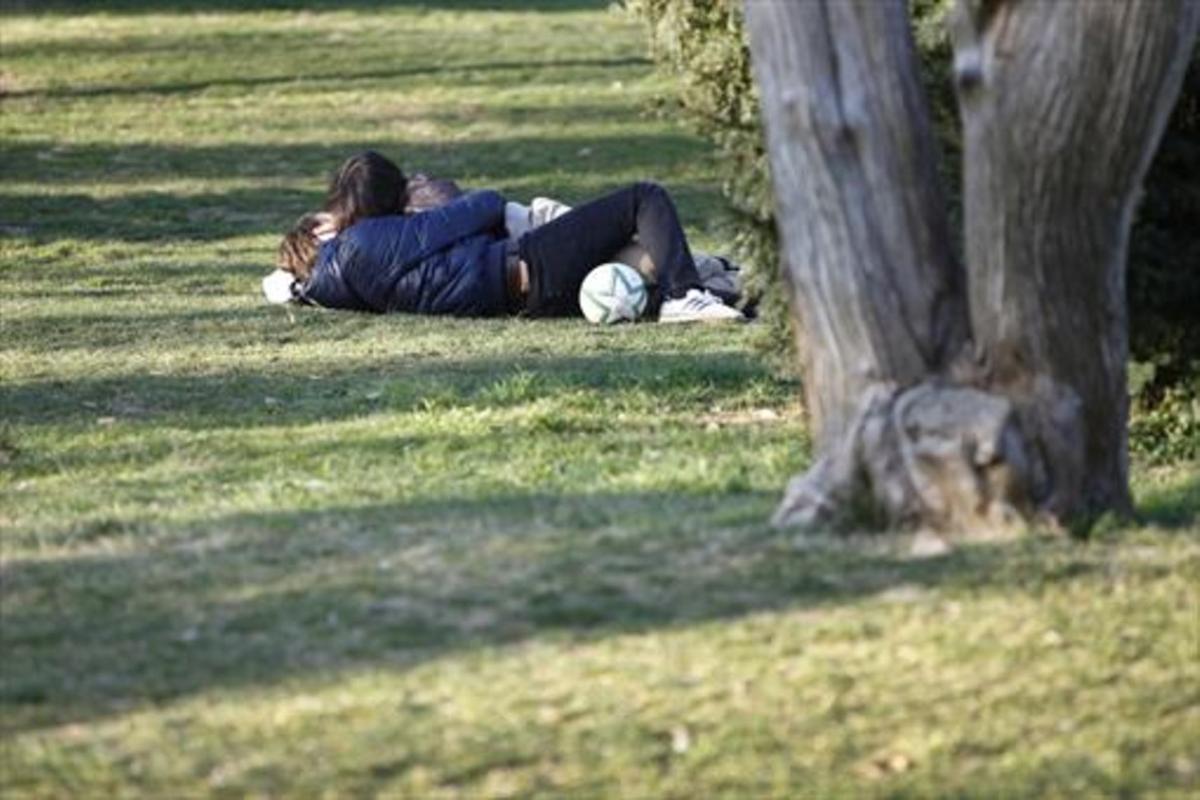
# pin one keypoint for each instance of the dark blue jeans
(562, 252)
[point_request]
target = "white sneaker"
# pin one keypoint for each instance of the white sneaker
(698, 305)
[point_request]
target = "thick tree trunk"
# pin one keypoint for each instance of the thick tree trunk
(854, 165)
(1063, 106)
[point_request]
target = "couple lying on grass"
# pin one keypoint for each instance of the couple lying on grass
(386, 243)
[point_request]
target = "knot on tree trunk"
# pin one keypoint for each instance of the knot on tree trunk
(954, 458)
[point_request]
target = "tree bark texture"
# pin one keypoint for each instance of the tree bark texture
(1063, 105)
(941, 396)
(853, 158)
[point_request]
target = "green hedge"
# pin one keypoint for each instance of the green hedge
(702, 44)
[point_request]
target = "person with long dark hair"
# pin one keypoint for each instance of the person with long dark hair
(458, 259)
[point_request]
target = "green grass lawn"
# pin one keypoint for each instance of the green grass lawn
(248, 552)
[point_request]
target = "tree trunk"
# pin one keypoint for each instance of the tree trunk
(914, 421)
(1063, 105)
(854, 165)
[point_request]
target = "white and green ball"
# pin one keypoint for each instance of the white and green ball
(612, 293)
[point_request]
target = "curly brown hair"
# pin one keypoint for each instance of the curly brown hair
(298, 250)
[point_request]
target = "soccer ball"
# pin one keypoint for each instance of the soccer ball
(612, 293)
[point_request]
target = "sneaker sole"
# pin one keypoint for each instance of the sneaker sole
(706, 320)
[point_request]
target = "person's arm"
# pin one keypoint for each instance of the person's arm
(430, 231)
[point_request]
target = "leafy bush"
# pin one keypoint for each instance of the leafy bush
(1164, 256)
(1168, 430)
(702, 43)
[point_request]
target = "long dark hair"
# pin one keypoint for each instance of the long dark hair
(365, 185)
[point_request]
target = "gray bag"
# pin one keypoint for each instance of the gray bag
(720, 276)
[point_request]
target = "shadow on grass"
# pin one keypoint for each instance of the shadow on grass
(51, 162)
(493, 71)
(151, 216)
(207, 216)
(148, 279)
(61, 333)
(325, 392)
(1176, 507)
(12, 7)
(257, 599)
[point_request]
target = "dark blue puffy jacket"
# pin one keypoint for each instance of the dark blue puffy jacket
(449, 260)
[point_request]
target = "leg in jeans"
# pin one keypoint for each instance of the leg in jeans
(562, 252)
